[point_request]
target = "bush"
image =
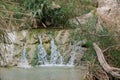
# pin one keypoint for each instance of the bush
(44, 12)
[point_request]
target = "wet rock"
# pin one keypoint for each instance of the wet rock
(46, 42)
(76, 50)
(12, 37)
(13, 53)
(32, 40)
(9, 50)
(6, 54)
(45, 38)
(62, 37)
(31, 51)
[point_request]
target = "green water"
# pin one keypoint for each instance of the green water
(42, 73)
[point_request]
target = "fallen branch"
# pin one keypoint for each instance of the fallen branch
(115, 72)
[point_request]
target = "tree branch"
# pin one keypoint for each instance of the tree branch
(115, 72)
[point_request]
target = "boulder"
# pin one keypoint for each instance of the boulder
(109, 12)
(81, 19)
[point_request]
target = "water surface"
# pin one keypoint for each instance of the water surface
(43, 73)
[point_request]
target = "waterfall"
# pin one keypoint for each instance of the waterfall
(24, 62)
(56, 59)
(42, 54)
(71, 61)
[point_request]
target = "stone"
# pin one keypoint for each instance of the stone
(45, 38)
(7, 53)
(81, 19)
(31, 51)
(109, 12)
(77, 49)
(84, 18)
(63, 37)
(12, 55)
(55, 6)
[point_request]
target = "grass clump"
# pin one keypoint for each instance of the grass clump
(31, 13)
(46, 12)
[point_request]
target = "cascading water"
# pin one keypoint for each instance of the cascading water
(56, 59)
(24, 62)
(42, 55)
(72, 57)
(71, 61)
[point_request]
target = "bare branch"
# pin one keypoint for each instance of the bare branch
(115, 72)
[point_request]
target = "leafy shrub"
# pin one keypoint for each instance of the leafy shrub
(43, 12)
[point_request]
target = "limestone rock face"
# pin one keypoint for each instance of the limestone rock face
(12, 51)
(46, 42)
(63, 36)
(109, 12)
(84, 18)
(62, 40)
(67, 48)
(45, 38)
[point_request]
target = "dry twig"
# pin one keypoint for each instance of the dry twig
(115, 72)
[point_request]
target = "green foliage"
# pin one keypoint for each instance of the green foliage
(84, 6)
(84, 31)
(103, 38)
(42, 11)
(35, 58)
(86, 2)
(90, 55)
(113, 56)
(13, 15)
(91, 24)
(88, 44)
(106, 39)
(35, 6)
(75, 35)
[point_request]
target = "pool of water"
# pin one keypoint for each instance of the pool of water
(43, 73)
